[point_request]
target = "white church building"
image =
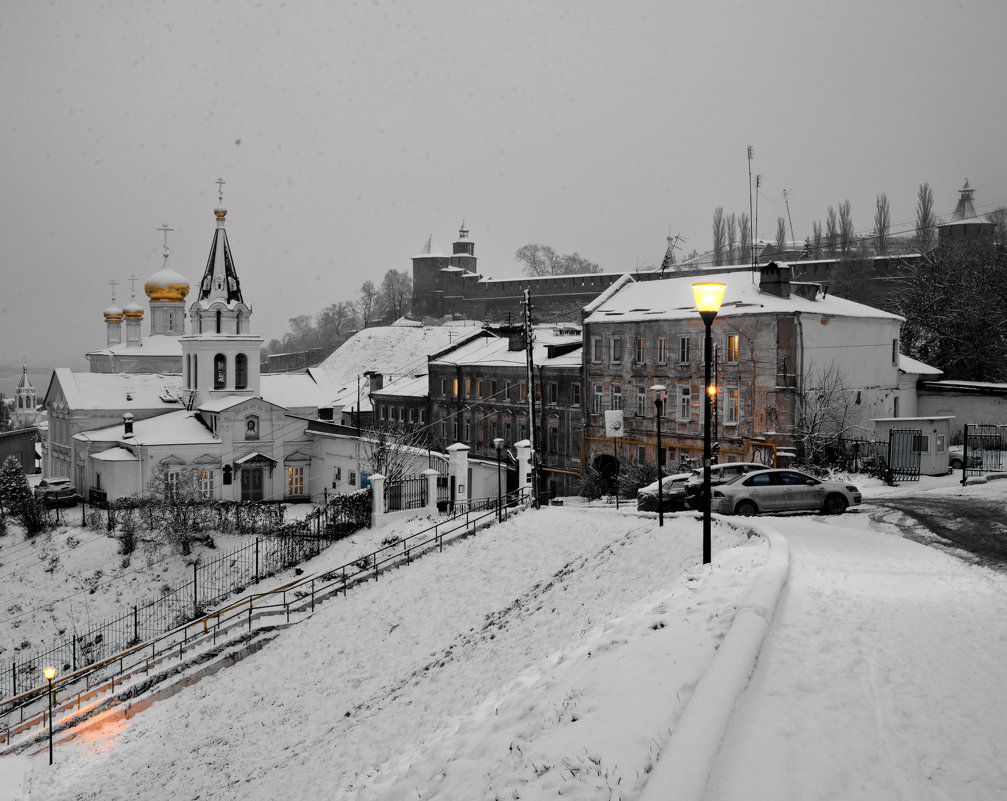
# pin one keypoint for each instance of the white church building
(112, 432)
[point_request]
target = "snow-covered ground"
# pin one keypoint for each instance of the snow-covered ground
(553, 656)
(552, 653)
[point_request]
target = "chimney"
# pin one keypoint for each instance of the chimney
(376, 380)
(515, 339)
(774, 279)
(127, 424)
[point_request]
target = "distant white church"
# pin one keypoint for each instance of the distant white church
(177, 402)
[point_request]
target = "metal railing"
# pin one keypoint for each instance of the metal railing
(211, 582)
(235, 620)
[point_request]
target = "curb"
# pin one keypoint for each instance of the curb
(683, 770)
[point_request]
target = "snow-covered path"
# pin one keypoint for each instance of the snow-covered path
(882, 676)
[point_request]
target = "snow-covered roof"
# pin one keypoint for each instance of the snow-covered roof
(907, 364)
(174, 428)
(116, 454)
(968, 386)
(494, 351)
(671, 299)
(123, 391)
(223, 402)
(526, 278)
(392, 351)
(295, 390)
(407, 386)
(151, 345)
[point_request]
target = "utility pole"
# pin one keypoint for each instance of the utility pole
(786, 202)
(529, 341)
(751, 213)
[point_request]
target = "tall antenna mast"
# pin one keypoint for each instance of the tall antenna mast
(755, 222)
(751, 215)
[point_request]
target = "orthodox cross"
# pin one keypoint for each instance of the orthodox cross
(132, 286)
(220, 190)
(165, 229)
(113, 283)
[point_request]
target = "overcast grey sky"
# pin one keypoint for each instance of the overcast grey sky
(348, 133)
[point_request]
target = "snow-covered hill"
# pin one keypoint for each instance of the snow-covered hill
(550, 654)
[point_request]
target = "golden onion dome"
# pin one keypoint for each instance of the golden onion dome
(113, 312)
(132, 311)
(166, 285)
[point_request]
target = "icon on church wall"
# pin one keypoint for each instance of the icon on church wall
(252, 427)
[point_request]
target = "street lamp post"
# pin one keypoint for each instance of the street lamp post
(498, 444)
(659, 391)
(50, 674)
(708, 298)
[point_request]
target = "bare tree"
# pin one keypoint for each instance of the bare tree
(825, 413)
(538, 260)
(846, 232)
(396, 292)
(999, 219)
(745, 234)
(395, 450)
(816, 238)
(831, 230)
(926, 220)
(719, 235)
(882, 224)
(781, 234)
(367, 306)
(732, 232)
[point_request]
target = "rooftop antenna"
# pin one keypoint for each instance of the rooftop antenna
(751, 215)
(669, 256)
(755, 222)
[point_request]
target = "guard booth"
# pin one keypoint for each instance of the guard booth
(916, 445)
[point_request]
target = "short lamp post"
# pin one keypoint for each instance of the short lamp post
(659, 390)
(498, 444)
(50, 674)
(708, 299)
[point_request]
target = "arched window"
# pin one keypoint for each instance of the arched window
(195, 371)
(218, 320)
(237, 322)
(188, 371)
(240, 371)
(219, 371)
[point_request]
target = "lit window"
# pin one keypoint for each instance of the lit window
(204, 483)
(733, 343)
(295, 481)
(732, 412)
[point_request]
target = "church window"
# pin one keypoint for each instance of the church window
(252, 427)
(219, 371)
(219, 316)
(188, 370)
(295, 481)
(237, 323)
(195, 371)
(240, 371)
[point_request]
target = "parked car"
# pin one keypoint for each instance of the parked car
(719, 474)
(672, 494)
(956, 458)
(56, 491)
(783, 491)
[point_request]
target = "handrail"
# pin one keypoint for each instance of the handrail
(365, 565)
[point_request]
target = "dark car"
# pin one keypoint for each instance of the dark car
(672, 494)
(719, 474)
(56, 491)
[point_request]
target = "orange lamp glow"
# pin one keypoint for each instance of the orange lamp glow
(49, 673)
(709, 296)
(711, 391)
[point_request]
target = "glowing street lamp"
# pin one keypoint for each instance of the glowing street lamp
(659, 390)
(708, 297)
(50, 674)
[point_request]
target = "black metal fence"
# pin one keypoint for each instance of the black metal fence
(983, 446)
(211, 582)
(408, 493)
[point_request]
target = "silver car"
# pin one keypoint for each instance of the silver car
(783, 491)
(672, 494)
(719, 474)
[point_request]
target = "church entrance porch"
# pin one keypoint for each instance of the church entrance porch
(251, 483)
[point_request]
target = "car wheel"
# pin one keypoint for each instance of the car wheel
(956, 464)
(746, 509)
(835, 505)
